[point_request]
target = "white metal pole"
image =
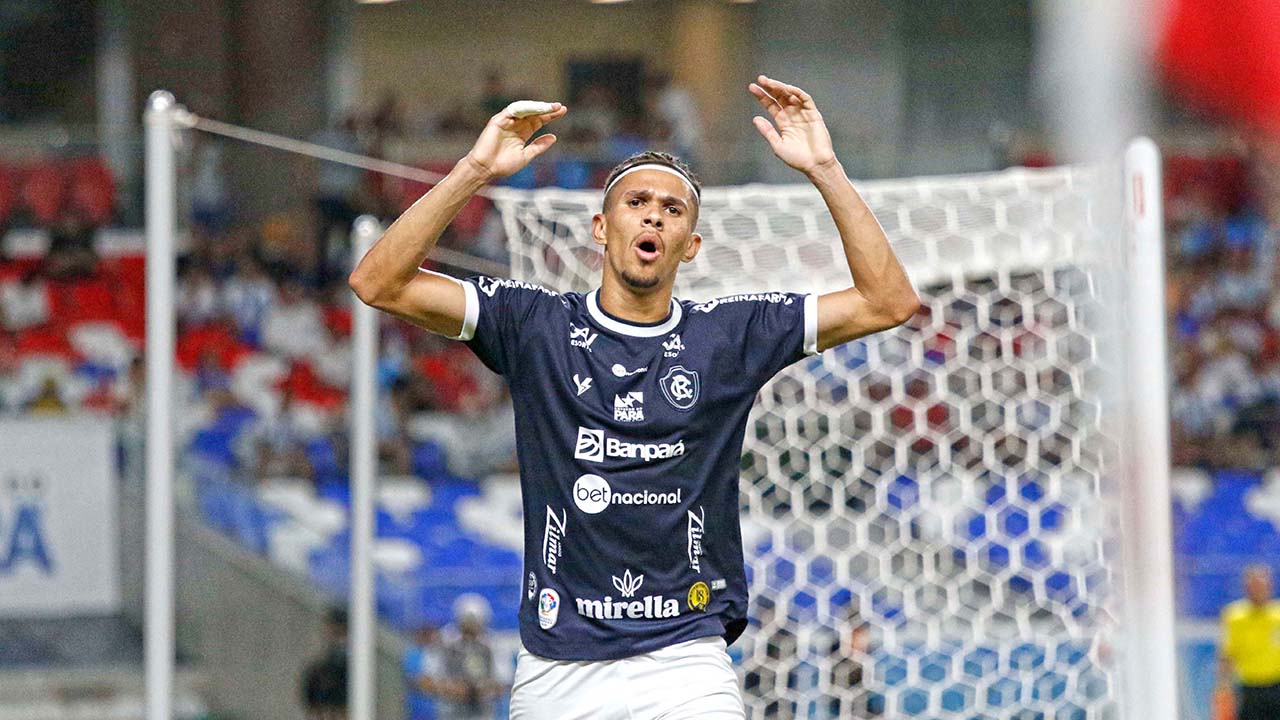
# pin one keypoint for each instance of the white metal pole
(362, 649)
(161, 211)
(1150, 658)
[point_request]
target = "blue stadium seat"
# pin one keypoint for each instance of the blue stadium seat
(324, 460)
(214, 445)
(572, 174)
(95, 373)
(525, 179)
(233, 419)
(445, 493)
(336, 490)
(428, 461)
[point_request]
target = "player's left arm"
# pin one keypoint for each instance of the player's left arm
(882, 296)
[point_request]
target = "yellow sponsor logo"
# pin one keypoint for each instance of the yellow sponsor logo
(699, 596)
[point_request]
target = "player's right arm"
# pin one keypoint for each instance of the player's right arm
(390, 277)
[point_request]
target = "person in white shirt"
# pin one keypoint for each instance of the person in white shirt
(294, 326)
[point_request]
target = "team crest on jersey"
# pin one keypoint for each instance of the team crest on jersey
(582, 336)
(672, 347)
(628, 407)
(680, 387)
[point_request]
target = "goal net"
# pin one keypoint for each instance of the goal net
(926, 511)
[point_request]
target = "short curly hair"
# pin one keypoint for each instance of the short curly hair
(656, 157)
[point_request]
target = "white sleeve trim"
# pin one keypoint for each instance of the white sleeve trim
(472, 314)
(811, 324)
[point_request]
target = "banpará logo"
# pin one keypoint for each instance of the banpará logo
(582, 336)
(489, 286)
(696, 529)
(629, 407)
(699, 596)
(595, 446)
(553, 538)
(592, 494)
(673, 346)
(548, 608)
(681, 387)
(647, 607)
(774, 297)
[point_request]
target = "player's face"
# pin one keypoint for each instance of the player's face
(647, 229)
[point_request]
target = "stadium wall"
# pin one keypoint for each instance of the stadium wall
(434, 56)
(906, 89)
(429, 52)
(252, 62)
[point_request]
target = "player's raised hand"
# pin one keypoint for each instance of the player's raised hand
(503, 147)
(798, 135)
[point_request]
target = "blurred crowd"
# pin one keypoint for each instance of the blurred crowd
(600, 132)
(604, 126)
(1223, 216)
(264, 333)
(263, 349)
(258, 337)
(450, 672)
(264, 312)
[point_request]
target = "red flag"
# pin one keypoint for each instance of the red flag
(1224, 55)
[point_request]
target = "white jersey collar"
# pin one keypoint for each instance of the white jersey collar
(625, 328)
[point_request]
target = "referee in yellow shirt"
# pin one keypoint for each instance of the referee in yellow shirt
(1251, 647)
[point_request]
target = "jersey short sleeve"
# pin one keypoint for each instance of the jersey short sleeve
(498, 313)
(769, 331)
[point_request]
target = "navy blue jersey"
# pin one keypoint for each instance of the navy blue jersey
(629, 439)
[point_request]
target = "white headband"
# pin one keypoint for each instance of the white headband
(656, 166)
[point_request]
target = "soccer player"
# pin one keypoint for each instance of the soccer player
(631, 407)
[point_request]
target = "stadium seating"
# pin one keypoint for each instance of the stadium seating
(422, 542)
(1216, 537)
(92, 190)
(44, 192)
(39, 192)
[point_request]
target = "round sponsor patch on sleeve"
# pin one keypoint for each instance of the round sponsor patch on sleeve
(699, 596)
(548, 608)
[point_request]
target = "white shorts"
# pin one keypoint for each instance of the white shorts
(693, 679)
